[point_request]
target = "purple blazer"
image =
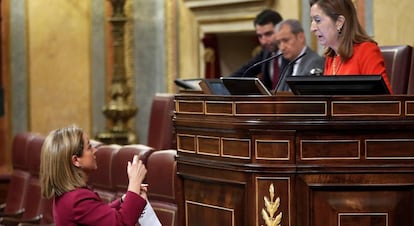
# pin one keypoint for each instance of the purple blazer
(83, 206)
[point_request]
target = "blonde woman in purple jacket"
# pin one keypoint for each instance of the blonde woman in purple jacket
(66, 160)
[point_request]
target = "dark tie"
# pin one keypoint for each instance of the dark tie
(276, 72)
(287, 70)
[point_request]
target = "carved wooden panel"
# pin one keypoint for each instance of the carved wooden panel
(319, 161)
(209, 201)
(356, 199)
(366, 108)
(323, 149)
(389, 149)
(219, 108)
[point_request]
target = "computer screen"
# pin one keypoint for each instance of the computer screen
(337, 85)
(213, 87)
(245, 86)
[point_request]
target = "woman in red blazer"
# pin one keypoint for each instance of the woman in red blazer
(67, 158)
(350, 51)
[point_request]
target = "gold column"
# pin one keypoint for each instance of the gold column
(119, 110)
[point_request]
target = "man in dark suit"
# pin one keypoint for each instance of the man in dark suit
(291, 42)
(264, 24)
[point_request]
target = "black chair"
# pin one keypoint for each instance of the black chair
(398, 63)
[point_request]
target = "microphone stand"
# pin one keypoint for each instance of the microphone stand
(283, 74)
(261, 62)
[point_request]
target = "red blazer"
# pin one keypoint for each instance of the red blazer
(82, 206)
(366, 60)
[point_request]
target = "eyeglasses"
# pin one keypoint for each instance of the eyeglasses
(79, 152)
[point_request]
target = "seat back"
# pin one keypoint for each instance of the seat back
(398, 60)
(120, 162)
(161, 130)
(33, 199)
(20, 176)
(164, 191)
(411, 80)
(101, 179)
(36, 209)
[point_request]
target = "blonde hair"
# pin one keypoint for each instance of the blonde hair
(57, 173)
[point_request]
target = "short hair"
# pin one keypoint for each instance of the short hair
(57, 173)
(294, 25)
(267, 16)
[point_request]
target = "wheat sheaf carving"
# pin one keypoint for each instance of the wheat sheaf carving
(271, 207)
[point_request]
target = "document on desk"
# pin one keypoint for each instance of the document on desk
(148, 217)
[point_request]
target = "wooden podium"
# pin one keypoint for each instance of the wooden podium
(300, 160)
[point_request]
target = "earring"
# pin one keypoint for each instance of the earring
(339, 29)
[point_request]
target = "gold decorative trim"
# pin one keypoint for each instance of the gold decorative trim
(272, 206)
(179, 143)
(179, 102)
(212, 138)
(171, 46)
(363, 214)
(390, 157)
(206, 103)
(272, 141)
(406, 108)
(372, 113)
(129, 47)
(324, 110)
(196, 140)
(172, 212)
(329, 141)
(187, 202)
(235, 156)
(288, 189)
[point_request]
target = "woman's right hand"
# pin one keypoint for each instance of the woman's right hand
(136, 173)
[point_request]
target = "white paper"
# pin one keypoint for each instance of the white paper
(148, 217)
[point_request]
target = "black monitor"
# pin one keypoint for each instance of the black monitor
(213, 87)
(338, 85)
(245, 86)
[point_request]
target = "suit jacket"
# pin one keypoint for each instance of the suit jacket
(261, 71)
(308, 62)
(82, 206)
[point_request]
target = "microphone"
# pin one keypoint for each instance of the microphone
(283, 74)
(316, 72)
(261, 62)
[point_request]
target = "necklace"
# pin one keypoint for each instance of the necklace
(334, 68)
